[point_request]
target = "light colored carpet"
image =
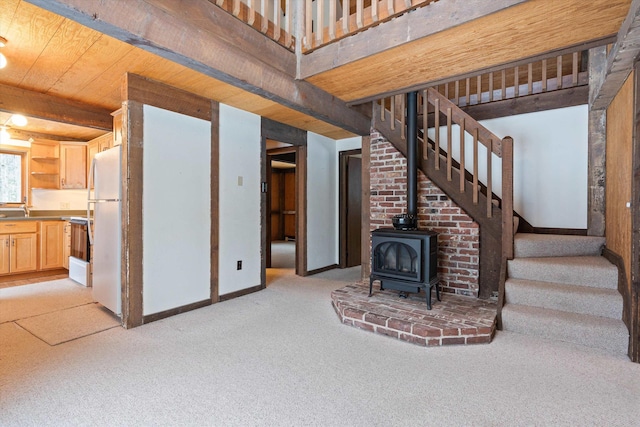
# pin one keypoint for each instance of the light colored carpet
(280, 357)
(72, 323)
(39, 298)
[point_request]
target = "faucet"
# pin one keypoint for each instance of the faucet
(26, 210)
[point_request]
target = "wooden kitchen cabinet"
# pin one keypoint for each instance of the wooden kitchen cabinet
(117, 127)
(44, 165)
(95, 146)
(73, 166)
(51, 244)
(19, 247)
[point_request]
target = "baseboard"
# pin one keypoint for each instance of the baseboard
(565, 231)
(240, 293)
(173, 311)
(33, 275)
(321, 270)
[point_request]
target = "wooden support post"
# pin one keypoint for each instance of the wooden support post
(507, 198)
(449, 144)
(437, 133)
(462, 166)
(489, 179)
(475, 166)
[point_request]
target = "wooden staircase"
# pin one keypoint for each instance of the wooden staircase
(495, 219)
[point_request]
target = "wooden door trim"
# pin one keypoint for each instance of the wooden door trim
(342, 203)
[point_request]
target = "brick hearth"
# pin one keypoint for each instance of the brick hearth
(454, 320)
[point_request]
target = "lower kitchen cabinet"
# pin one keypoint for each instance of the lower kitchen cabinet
(19, 253)
(51, 245)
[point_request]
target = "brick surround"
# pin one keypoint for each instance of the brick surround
(459, 236)
(454, 320)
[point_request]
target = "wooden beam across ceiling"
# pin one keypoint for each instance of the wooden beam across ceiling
(203, 37)
(620, 60)
(49, 107)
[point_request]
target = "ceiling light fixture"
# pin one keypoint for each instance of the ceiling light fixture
(3, 59)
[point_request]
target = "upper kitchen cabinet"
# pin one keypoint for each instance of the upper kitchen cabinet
(45, 165)
(73, 165)
(95, 146)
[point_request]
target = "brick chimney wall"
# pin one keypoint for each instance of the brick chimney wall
(459, 235)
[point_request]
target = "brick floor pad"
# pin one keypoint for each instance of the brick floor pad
(454, 320)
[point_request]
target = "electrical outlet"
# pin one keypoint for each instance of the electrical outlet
(240, 181)
(239, 267)
(65, 205)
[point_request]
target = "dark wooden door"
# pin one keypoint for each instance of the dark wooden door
(354, 210)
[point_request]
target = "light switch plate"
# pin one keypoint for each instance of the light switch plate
(240, 181)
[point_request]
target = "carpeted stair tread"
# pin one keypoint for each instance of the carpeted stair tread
(527, 245)
(572, 298)
(594, 271)
(590, 331)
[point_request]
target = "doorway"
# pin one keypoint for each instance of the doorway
(281, 206)
(350, 164)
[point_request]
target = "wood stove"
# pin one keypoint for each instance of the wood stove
(405, 260)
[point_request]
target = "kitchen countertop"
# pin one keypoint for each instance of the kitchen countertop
(42, 215)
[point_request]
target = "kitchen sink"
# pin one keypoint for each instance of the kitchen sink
(12, 213)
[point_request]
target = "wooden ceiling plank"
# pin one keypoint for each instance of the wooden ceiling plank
(68, 44)
(419, 23)
(22, 135)
(525, 30)
(33, 28)
(620, 60)
(38, 105)
(196, 43)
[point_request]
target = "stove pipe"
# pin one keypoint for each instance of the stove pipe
(412, 154)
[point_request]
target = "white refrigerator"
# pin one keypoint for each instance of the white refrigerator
(106, 237)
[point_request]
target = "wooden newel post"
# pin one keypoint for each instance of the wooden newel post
(507, 197)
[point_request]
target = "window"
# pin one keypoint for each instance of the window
(11, 177)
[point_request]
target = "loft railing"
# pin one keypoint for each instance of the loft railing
(563, 71)
(273, 18)
(330, 20)
(323, 21)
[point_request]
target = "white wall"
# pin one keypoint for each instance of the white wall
(322, 218)
(239, 203)
(550, 164)
(59, 199)
(176, 206)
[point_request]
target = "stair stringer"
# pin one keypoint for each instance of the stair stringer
(490, 227)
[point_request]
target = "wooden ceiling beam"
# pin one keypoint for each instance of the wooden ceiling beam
(48, 107)
(25, 135)
(417, 24)
(205, 38)
(620, 60)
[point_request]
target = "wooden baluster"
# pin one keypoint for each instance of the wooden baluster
(530, 79)
(467, 93)
(559, 72)
(516, 82)
(220, 2)
(276, 21)
(359, 8)
(490, 86)
(393, 112)
(264, 14)
(475, 166)
(308, 40)
(446, 90)
(345, 16)
(391, 7)
(288, 40)
(574, 74)
(236, 8)
(332, 20)
(462, 162)
(436, 127)
(457, 92)
(407, 3)
(425, 124)
(449, 144)
(479, 89)
(544, 75)
(374, 11)
(320, 21)
(382, 107)
(251, 16)
(504, 84)
(489, 172)
(403, 115)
